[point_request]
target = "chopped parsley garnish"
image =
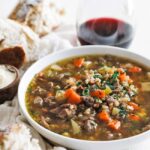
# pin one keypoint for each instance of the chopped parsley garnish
(86, 92)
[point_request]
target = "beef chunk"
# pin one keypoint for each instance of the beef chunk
(39, 91)
(88, 101)
(90, 126)
(64, 111)
(51, 102)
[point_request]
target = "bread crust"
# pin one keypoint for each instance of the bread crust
(14, 56)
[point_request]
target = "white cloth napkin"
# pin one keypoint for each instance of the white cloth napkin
(63, 38)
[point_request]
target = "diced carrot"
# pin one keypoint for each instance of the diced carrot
(98, 93)
(135, 69)
(79, 62)
(122, 77)
(114, 124)
(49, 94)
(134, 117)
(104, 116)
(68, 93)
(130, 81)
(134, 105)
(72, 97)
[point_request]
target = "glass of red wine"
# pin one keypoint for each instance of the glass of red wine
(106, 22)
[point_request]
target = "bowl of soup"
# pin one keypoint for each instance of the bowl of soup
(89, 97)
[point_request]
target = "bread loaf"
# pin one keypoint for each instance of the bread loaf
(42, 16)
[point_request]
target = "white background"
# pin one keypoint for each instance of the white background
(141, 42)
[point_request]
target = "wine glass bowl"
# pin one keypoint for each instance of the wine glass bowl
(105, 22)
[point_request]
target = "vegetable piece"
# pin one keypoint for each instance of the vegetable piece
(114, 124)
(78, 77)
(120, 70)
(135, 69)
(66, 134)
(142, 113)
(56, 67)
(122, 112)
(86, 92)
(108, 90)
(115, 75)
(79, 62)
(130, 81)
(104, 116)
(99, 76)
(134, 117)
(49, 94)
(98, 93)
(122, 77)
(145, 86)
(72, 96)
(76, 128)
(115, 111)
(60, 95)
(134, 105)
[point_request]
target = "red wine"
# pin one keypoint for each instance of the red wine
(105, 31)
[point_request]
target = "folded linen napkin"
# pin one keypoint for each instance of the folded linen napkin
(10, 118)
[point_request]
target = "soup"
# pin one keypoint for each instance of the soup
(92, 98)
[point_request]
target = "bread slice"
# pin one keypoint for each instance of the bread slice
(18, 43)
(14, 56)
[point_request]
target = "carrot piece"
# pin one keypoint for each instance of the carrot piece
(134, 117)
(134, 105)
(79, 62)
(68, 93)
(104, 116)
(98, 93)
(130, 81)
(49, 94)
(122, 77)
(114, 124)
(72, 97)
(135, 69)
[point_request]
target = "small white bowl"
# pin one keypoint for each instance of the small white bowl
(121, 144)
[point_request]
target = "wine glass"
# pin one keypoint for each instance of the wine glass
(106, 22)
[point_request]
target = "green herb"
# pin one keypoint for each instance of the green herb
(115, 75)
(115, 96)
(97, 76)
(122, 112)
(94, 87)
(86, 92)
(110, 85)
(102, 64)
(97, 100)
(79, 83)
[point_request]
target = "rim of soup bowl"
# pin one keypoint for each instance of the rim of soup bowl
(73, 52)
